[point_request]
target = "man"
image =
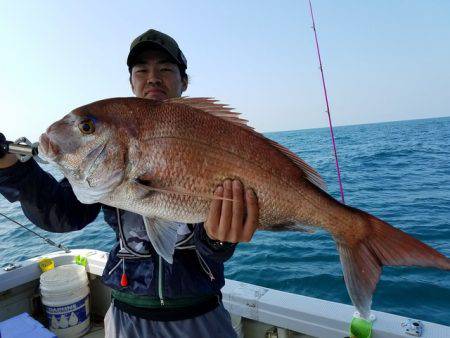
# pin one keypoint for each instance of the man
(151, 298)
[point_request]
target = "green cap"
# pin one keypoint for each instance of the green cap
(152, 39)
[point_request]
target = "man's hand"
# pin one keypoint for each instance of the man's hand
(232, 221)
(6, 160)
(2, 145)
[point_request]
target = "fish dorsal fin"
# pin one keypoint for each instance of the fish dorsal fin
(211, 106)
(223, 111)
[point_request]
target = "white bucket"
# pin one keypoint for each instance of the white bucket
(65, 295)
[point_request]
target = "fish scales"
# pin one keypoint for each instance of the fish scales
(206, 151)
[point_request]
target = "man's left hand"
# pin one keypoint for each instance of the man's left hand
(232, 221)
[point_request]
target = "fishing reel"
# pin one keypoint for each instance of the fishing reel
(22, 148)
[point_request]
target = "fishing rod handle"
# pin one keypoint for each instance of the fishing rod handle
(22, 148)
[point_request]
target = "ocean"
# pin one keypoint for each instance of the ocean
(397, 171)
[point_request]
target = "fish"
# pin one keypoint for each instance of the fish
(163, 160)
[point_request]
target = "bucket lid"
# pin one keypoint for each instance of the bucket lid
(63, 278)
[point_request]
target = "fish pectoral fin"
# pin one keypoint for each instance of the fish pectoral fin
(163, 236)
(143, 184)
(141, 187)
(144, 181)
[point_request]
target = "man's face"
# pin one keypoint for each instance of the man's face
(156, 77)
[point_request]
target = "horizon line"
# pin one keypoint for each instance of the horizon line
(357, 124)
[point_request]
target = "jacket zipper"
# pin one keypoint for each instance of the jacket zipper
(160, 281)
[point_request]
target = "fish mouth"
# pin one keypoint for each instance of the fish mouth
(47, 149)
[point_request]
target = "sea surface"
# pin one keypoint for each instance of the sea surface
(398, 171)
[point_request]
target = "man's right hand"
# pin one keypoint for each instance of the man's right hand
(6, 160)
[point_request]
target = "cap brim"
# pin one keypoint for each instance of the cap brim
(147, 45)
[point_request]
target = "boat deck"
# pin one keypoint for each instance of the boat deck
(97, 331)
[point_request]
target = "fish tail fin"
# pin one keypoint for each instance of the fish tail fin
(362, 259)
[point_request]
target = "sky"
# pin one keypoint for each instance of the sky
(383, 60)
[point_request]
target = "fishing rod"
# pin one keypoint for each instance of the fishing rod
(24, 150)
(326, 101)
(48, 240)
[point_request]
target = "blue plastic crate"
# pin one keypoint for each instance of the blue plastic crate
(24, 326)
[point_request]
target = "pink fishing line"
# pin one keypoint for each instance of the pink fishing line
(326, 100)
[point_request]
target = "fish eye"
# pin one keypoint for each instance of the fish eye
(87, 126)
